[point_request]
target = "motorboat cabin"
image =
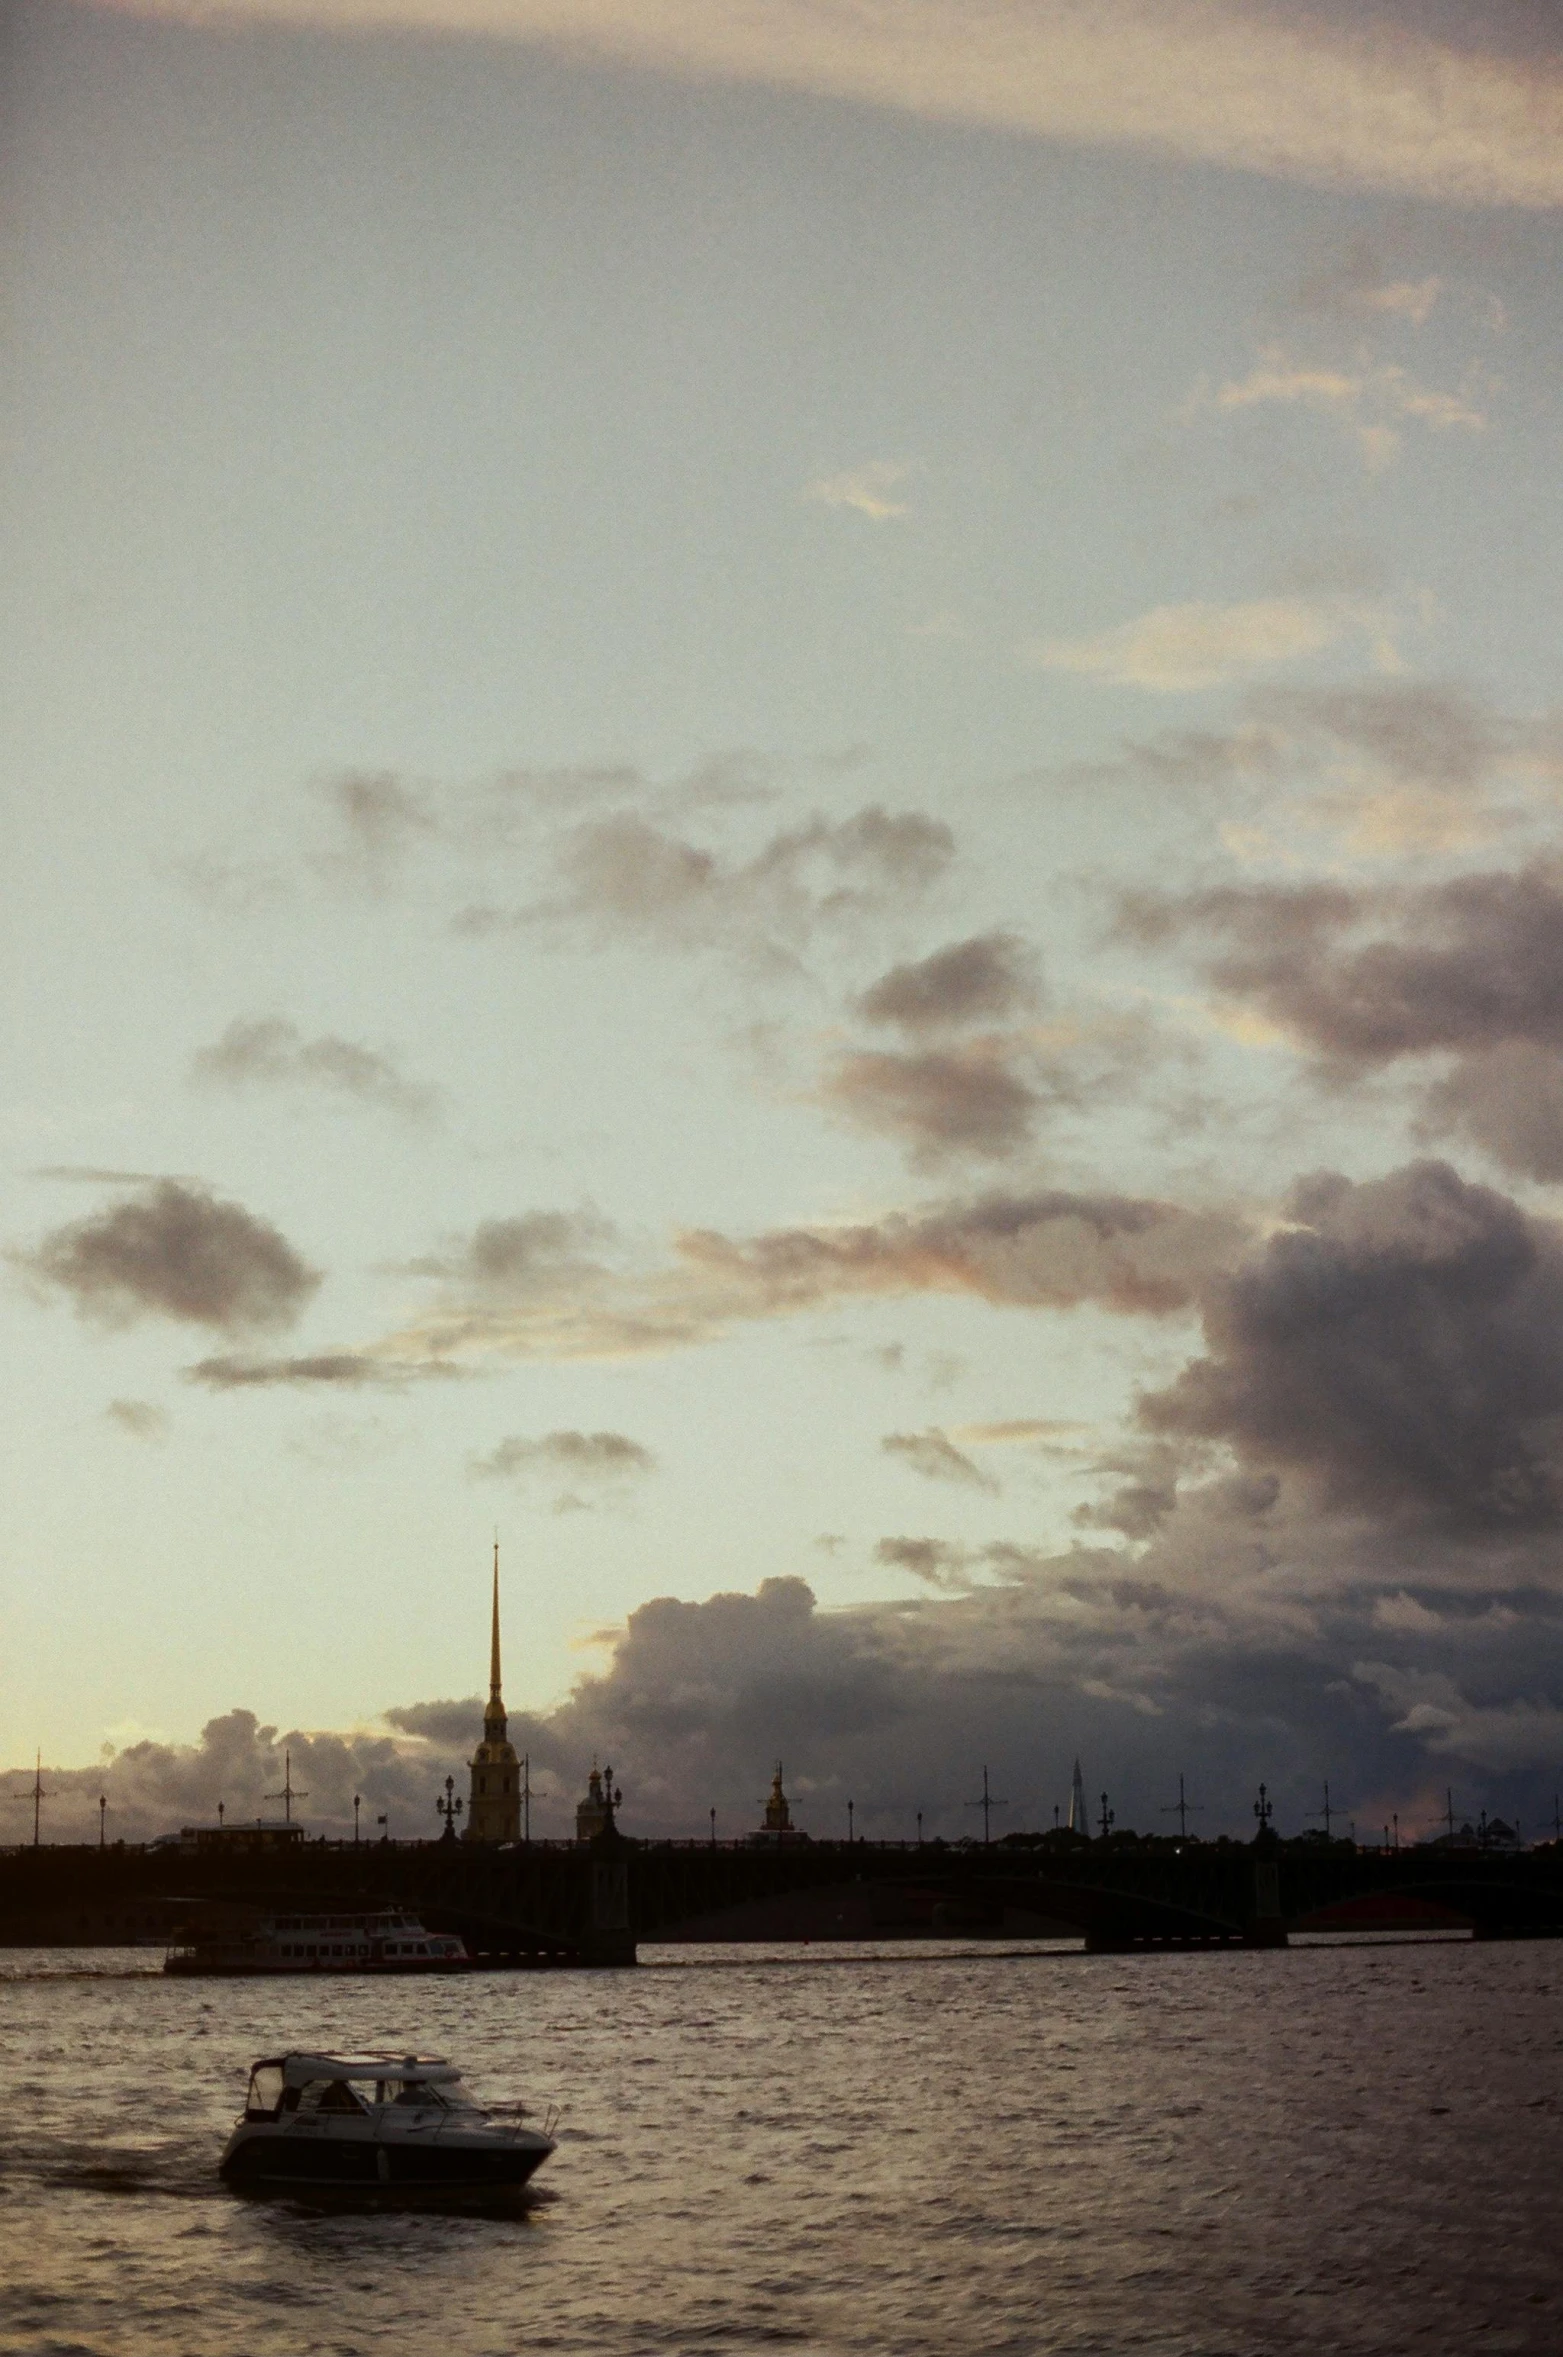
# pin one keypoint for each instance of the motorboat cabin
(399, 2123)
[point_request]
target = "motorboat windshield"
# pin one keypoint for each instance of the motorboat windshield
(353, 2082)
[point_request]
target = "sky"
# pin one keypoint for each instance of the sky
(781, 800)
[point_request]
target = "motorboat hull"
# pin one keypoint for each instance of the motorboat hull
(257, 2161)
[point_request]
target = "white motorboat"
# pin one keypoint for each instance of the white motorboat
(374, 2122)
(317, 1943)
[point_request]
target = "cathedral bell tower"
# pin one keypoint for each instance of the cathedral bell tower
(494, 1807)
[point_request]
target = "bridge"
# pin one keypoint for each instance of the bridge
(596, 1903)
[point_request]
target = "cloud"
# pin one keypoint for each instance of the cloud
(552, 1286)
(155, 1787)
(1372, 400)
(348, 1370)
(139, 1418)
(380, 819)
(1398, 1346)
(866, 489)
(624, 876)
(1052, 1432)
(1469, 969)
(1383, 766)
(1524, 1732)
(938, 1563)
(1011, 1655)
(944, 1102)
(1360, 286)
(602, 1462)
(271, 1052)
(1377, 105)
(176, 1252)
(1179, 649)
(933, 1454)
(1507, 1099)
(991, 975)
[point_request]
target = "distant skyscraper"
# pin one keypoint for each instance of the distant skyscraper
(1078, 1822)
(494, 1809)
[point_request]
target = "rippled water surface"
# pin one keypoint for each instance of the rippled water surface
(1337, 2149)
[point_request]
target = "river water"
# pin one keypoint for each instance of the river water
(824, 2151)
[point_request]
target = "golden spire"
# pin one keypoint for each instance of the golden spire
(493, 1659)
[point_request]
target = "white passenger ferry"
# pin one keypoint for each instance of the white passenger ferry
(318, 1943)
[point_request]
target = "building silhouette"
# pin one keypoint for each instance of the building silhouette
(494, 1805)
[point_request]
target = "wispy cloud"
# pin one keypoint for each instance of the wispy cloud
(139, 1417)
(1179, 649)
(934, 1455)
(868, 489)
(1258, 86)
(547, 1286)
(1372, 400)
(596, 1467)
(268, 1051)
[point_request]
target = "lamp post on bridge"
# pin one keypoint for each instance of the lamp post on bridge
(1108, 1818)
(1264, 1810)
(103, 1810)
(357, 1804)
(449, 1808)
(850, 1835)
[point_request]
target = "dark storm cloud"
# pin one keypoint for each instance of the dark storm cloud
(269, 1051)
(1400, 1349)
(1509, 1100)
(1470, 968)
(987, 977)
(933, 1454)
(1021, 1662)
(943, 1103)
(176, 1251)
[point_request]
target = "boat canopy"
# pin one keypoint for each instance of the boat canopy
(300, 2070)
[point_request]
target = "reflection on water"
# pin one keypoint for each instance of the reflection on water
(828, 2152)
